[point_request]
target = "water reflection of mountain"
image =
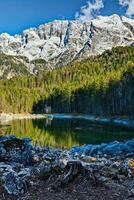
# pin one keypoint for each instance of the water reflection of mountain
(66, 133)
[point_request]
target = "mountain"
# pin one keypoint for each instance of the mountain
(12, 66)
(59, 42)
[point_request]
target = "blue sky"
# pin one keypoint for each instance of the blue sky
(17, 15)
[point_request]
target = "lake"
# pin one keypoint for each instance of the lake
(65, 132)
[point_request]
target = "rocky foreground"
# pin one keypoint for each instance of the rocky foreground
(29, 172)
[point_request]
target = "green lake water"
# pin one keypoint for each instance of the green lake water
(65, 133)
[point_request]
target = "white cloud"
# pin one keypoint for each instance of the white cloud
(130, 6)
(89, 11)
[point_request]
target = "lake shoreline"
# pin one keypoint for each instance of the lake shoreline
(10, 116)
(121, 121)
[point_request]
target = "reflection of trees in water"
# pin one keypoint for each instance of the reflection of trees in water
(66, 133)
(59, 131)
(42, 133)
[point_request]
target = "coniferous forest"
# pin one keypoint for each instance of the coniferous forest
(100, 85)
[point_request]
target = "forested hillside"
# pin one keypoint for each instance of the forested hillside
(101, 85)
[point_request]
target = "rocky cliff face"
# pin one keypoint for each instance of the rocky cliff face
(60, 42)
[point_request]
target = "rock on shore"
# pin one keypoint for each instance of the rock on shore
(20, 162)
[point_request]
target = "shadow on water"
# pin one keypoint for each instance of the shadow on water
(65, 133)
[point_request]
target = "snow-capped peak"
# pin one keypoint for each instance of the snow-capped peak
(61, 41)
